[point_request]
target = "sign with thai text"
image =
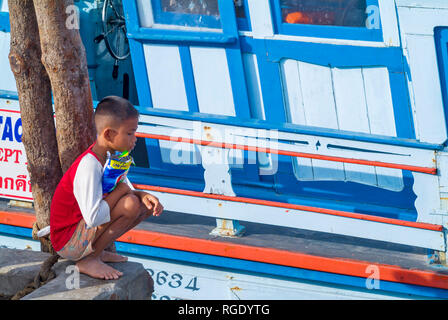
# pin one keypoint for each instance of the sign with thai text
(14, 178)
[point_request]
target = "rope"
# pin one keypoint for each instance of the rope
(45, 273)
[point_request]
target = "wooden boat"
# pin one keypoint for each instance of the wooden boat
(298, 147)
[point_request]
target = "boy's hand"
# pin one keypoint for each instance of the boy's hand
(152, 203)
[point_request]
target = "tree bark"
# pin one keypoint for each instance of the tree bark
(33, 86)
(64, 58)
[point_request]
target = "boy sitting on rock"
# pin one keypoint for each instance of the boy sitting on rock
(83, 221)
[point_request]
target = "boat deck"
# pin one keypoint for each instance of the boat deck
(296, 240)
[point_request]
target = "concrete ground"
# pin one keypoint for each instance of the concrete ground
(19, 267)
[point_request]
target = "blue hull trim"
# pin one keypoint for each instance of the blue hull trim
(326, 279)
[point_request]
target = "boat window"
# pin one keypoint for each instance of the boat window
(341, 19)
(187, 13)
(350, 13)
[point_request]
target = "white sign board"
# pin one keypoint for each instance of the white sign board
(14, 178)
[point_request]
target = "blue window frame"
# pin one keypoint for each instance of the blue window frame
(193, 13)
(182, 21)
(242, 15)
(340, 19)
(4, 22)
(441, 39)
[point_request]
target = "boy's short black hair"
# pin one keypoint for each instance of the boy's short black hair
(117, 107)
(112, 110)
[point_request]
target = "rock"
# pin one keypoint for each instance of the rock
(18, 268)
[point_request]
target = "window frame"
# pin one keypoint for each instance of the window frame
(167, 16)
(226, 35)
(326, 31)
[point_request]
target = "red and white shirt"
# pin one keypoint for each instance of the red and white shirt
(79, 195)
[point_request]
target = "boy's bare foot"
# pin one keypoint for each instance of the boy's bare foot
(94, 267)
(107, 256)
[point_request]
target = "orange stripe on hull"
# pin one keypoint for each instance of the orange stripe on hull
(419, 225)
(288, 153)
(265, 255)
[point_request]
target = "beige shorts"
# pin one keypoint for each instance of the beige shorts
(80, 244)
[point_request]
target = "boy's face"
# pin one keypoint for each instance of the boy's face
(124, 138)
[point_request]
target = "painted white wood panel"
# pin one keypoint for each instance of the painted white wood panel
(253, 85)
(381, 119)
(320, 110)
(351, 99)
(352, 116)
(212, 79)
(7, 80)
(438, 4)
(426, 88)
(4, 6)
(389, 22)
(421, 20)
(145, 13)
(255, 97)
(213, 87)
(303, 168)
(260, 18)
(166, 82)
(166, 78)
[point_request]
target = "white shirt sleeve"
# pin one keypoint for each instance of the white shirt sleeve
(88, 191)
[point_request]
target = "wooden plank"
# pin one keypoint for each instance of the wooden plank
(165, 77)
(145, 13)
(167, 85)
(255, 98)
(352, 116)
(260, 18)
(213, 87)
(211, 74)
(319, 105)
(426, 87)
(381, 119)
(303, 168)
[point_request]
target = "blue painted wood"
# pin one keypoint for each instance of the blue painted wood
(4, 22)
(325, 54)
(237, 78)
(441, 38)
(138, 56)
(15, 231)
(180, 37)
(187, 70)
(322, 31)
(140, 74)
(228, 34)
(292, 128)
(244, 24)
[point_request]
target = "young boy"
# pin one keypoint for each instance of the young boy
(83, 221)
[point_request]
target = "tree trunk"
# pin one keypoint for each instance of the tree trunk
(64, 58)
(33, 86)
